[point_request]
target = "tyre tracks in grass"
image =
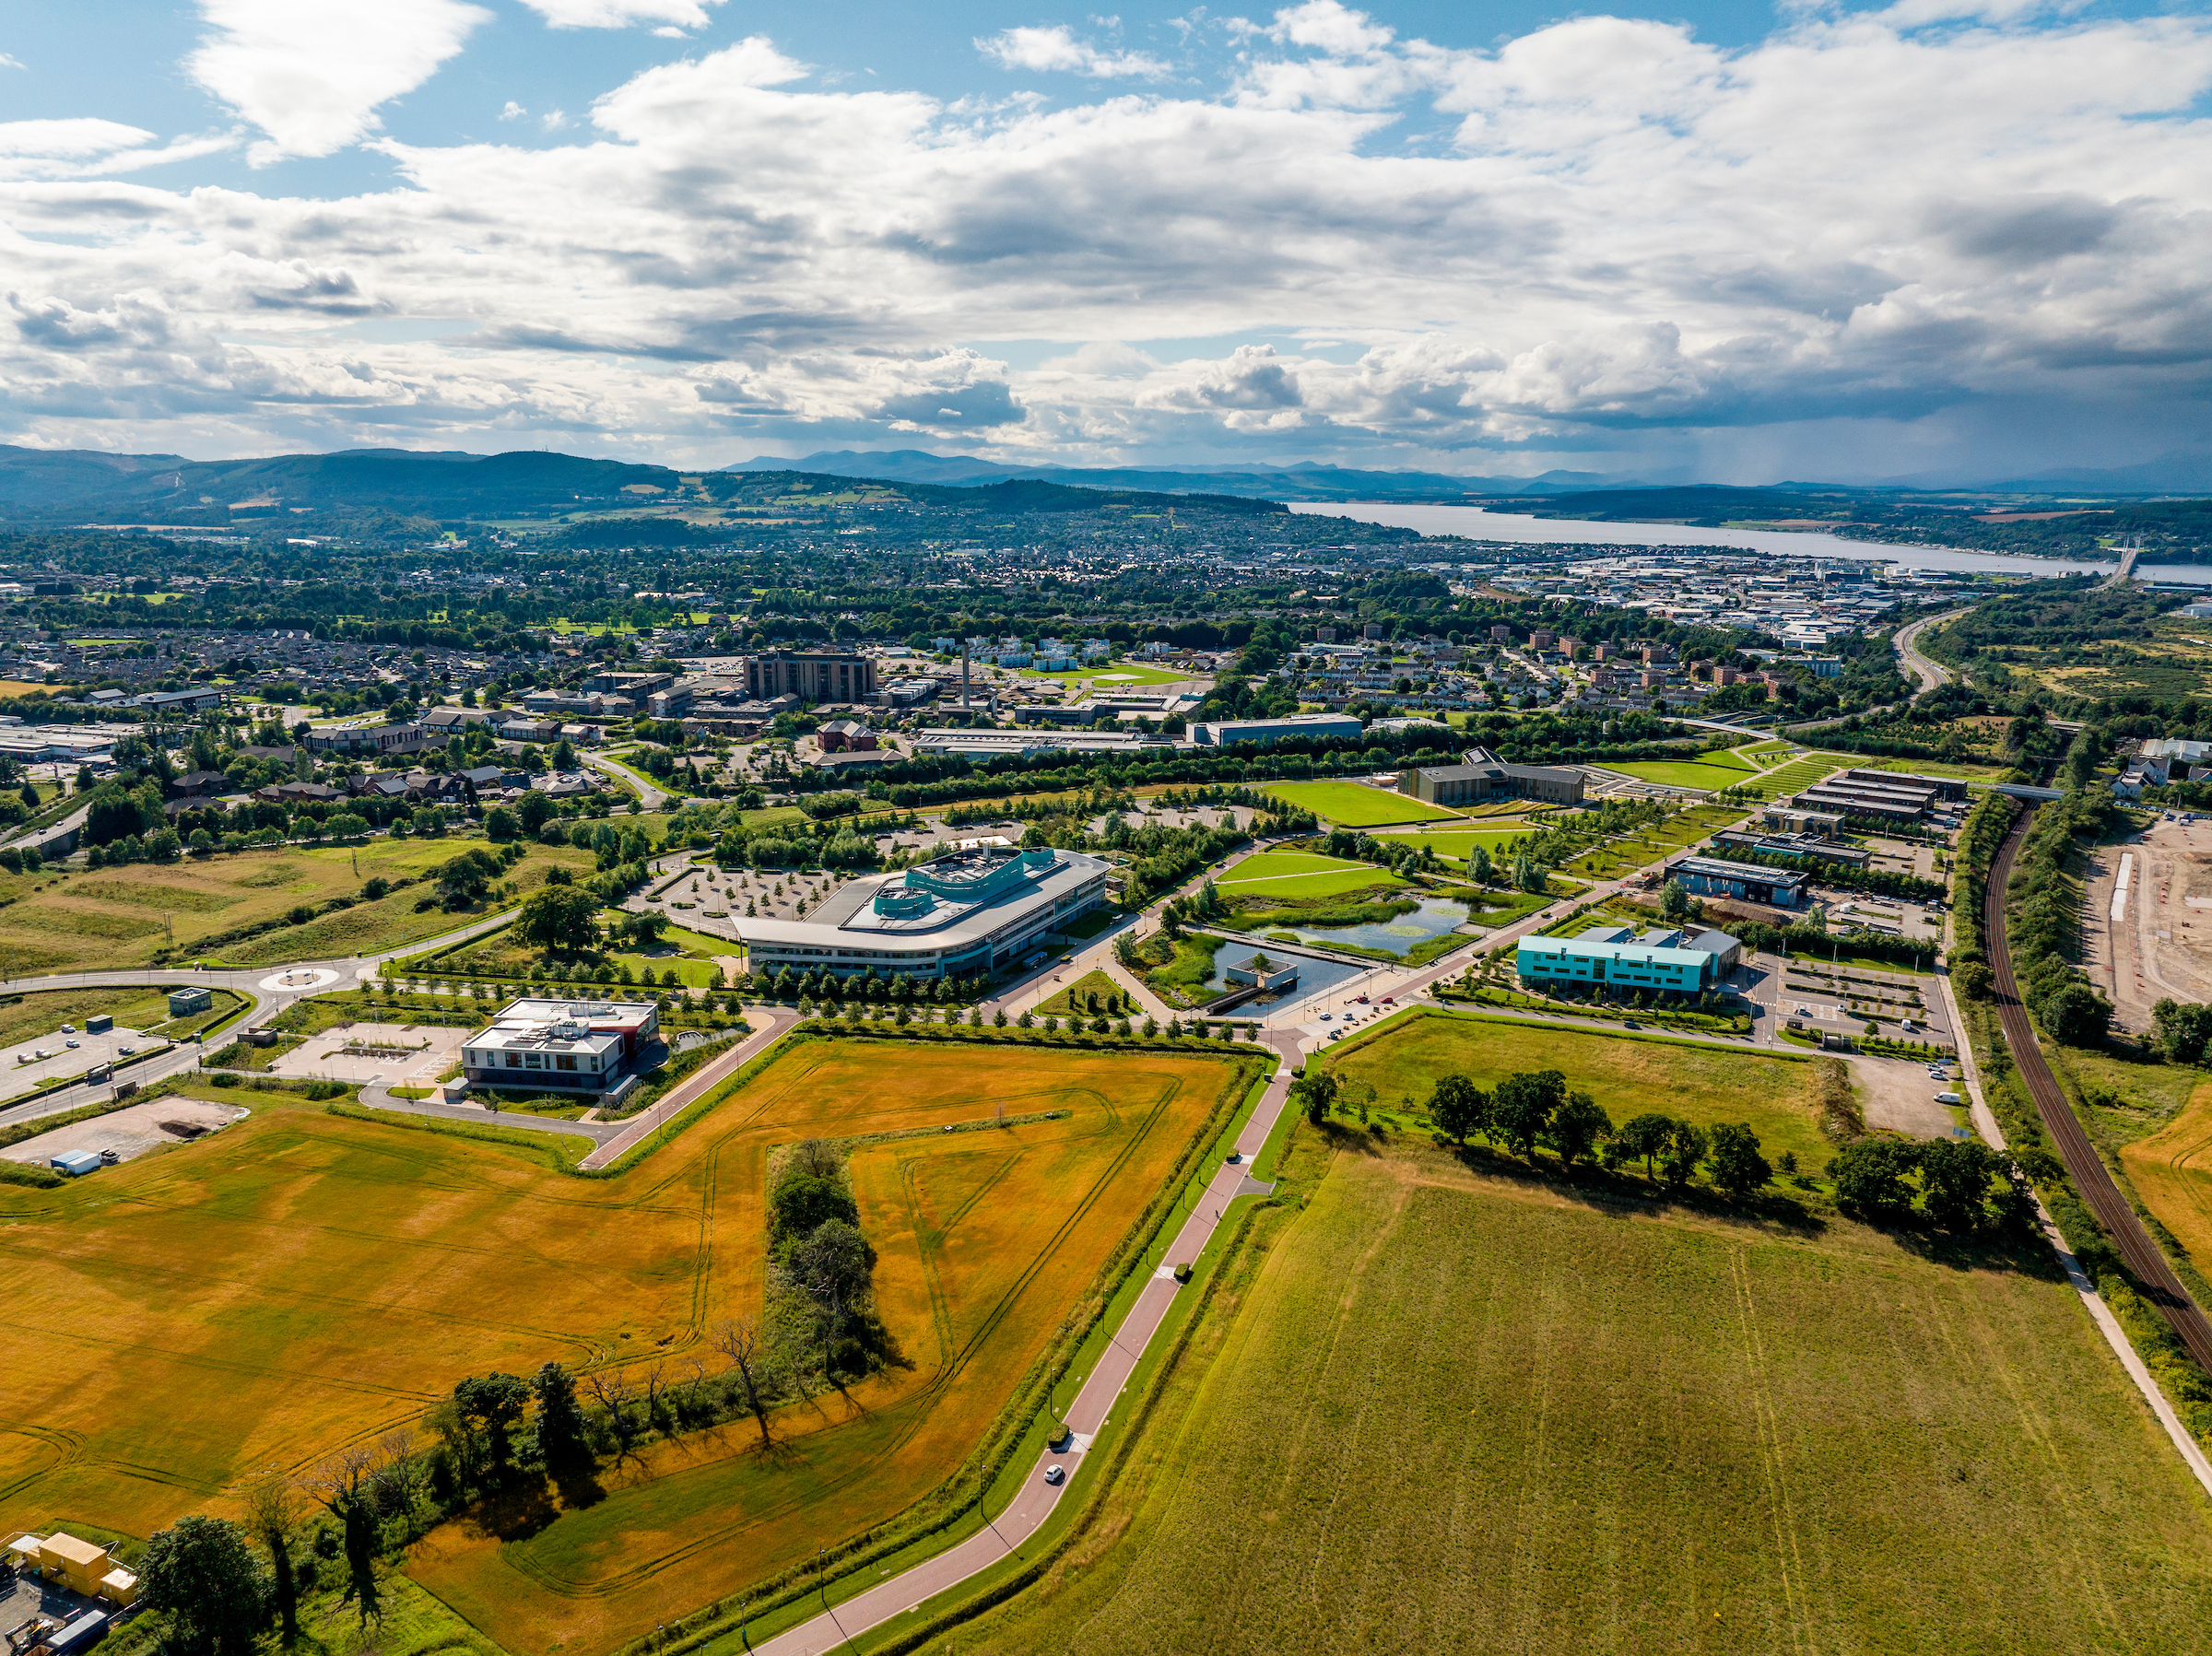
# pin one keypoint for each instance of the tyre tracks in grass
(2083, 1165)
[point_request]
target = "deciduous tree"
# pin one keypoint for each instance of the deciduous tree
(1577, 1126)
(1458, 1107)
(201, 1573)
(1734, 1162)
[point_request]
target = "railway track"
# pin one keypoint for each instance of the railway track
(2083, 1164)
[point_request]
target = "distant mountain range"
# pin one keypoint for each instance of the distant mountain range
(49, 488)
(1304, 481)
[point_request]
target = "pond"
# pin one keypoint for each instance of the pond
(1397, 935)
(1314, 976)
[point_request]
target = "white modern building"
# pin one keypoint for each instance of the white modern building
(972, 910)
(571, 1046)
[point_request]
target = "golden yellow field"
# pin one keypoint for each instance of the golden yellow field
(304, 1280)
(2172, 1171)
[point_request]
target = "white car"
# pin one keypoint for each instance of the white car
(68, 1028)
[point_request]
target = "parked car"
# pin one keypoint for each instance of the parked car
(126, 1051)
(1949, 1098)
(72, 1045)
(1390, 1000)
(68, 1028)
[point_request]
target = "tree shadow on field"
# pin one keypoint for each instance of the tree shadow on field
(518, 1512)
(1351, 1138)
(1987, 1248)
(579, 1487)
(1623, 1195)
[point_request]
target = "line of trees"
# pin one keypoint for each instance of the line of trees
(1536, 1108)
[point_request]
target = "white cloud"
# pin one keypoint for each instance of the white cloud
(1056, 50)
(311, 76)
(622, 14)
(10, 61)
(1857, 236)
(513, 111)
(81, 146)
(553, 119)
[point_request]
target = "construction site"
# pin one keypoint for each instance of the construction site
(2147, 919)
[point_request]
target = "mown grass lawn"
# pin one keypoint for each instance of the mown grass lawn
(1301, 873)
(1437, 1411)
(1356, 805)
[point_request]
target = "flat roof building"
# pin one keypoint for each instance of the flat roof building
(972, 910)
(1485, 776)
(1656, 960)
(810, 675)
(1947, 788)
(571, 1046)
(1265, 733)
(1747, 882)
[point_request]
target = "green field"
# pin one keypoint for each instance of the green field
(1457, 844)
(1626, 1076)
(1686, 773)
(1437, 1411)
(1071, 1000)
(1301, 873)
(1356, 805)
(307, 1280)
(116, 918)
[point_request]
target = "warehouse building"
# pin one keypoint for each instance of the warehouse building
(1482, 775)
(976, 908)
(1671, 961)
(1948, 788)
(1858, 800)
(1746, 882)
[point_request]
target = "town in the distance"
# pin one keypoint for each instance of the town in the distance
(611, 1061)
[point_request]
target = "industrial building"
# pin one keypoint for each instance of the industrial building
(1669, 960)
(1265, 733)
(1866, 801)
(1746, 882)
(188, 999)
(810, 675)
(1789, 820)
(1947, 788)
(1803, 848)
(978, 907)
(569, 1046)
(1483, 775)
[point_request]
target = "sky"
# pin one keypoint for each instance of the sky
(1943, 241)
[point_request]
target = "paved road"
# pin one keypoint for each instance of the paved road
(1006, 1530)
(649, 797)
(262, 986)
(2083, 1164)
(2119, 577)
(768, 1023)
(1931, 674)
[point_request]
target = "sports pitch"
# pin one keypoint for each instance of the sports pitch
(305, 1280)
(1356, 805)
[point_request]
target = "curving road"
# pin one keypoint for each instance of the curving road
(1931, 674)
(2083, 1164)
